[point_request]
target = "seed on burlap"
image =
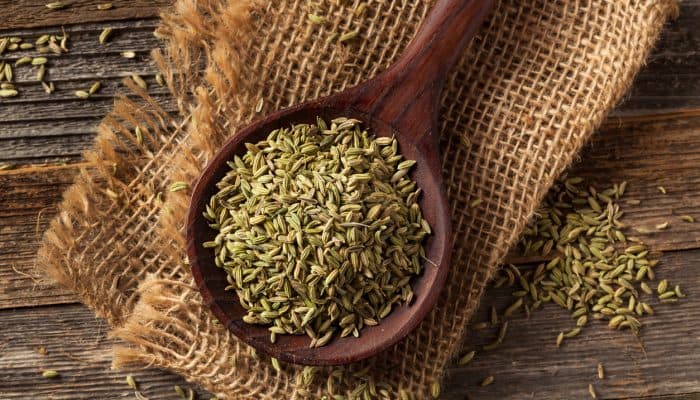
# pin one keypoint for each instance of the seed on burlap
(435, 390)
(104, 6)
(347, 36)
(128, 54)
(316, 19)
(175, 186)
(319, 230)
(601, 371)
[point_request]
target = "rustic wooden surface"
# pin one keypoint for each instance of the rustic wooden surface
(652, 139)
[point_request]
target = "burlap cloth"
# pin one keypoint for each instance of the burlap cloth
(529, 91)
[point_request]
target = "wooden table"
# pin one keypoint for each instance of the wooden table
(652, 139)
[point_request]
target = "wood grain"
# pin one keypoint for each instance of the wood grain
(36, 127)
(28, 201)
(671, 79)
(528, 365)
(78, 348)
(667, 365)
(33, 13)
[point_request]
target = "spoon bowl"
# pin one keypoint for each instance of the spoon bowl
(402, 102)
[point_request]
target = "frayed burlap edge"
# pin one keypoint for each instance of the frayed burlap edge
(517, 148)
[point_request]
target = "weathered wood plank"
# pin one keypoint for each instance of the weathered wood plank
(528, 365)
(670, 79)
(28, 201)
(666, 83)
(29, 123)
(33, 13)
(78, 349)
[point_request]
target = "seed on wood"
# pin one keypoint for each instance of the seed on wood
(56, 5)
(487, 381)
(139, 81)
(8, 93)
(49, 373)
(465, 359)
(105, 34)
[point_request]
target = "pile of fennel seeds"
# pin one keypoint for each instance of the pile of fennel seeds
(319, 230)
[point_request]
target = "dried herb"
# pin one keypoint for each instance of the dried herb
(319, 230)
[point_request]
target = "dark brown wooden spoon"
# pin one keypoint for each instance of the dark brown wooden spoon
(401, 102)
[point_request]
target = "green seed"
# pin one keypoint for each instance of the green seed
(105, 34)
(435, 390)
(467, 358)
(8, 93)
(49, 373)
(678, 292)
(663, 285)
(95, 88)
(139, 81)
(40, 72)
(179, 391)
(487, 381)
(513, 307)
(591, 390)
(572, 333)
(82, 94)
(347, 36)
(560, 339)
(56, 5)
(666, 295)
(315, 19)
(131, 381)
(687, 218)
(39, 60)
(179, 186)
(662, 226)
(42, 40)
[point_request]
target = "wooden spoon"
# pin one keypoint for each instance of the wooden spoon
(400, 102)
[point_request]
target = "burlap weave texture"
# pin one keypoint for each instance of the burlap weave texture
(528, 92)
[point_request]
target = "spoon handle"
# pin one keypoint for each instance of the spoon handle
(407, 94)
